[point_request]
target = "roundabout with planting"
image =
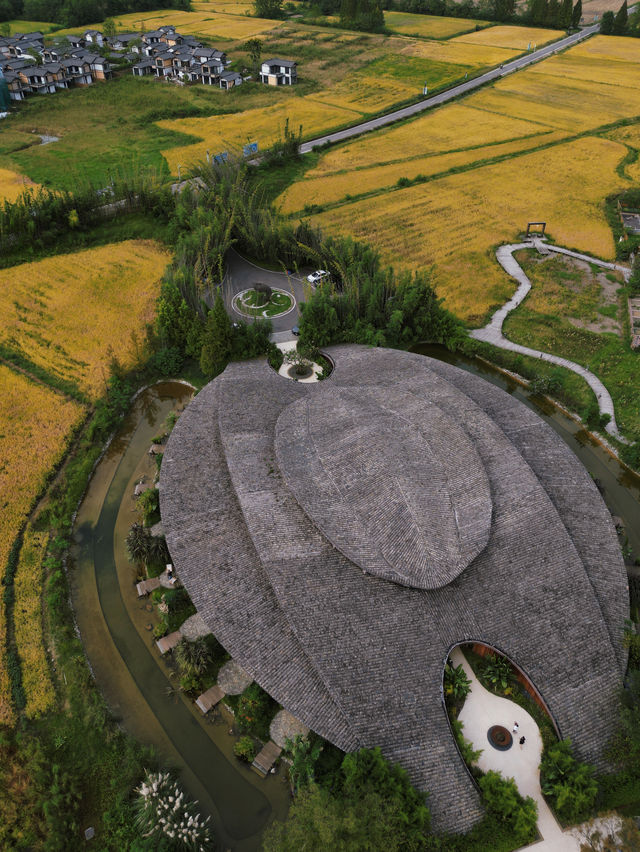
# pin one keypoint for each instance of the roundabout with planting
(263, 301)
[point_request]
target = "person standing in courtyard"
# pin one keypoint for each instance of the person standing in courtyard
(516, 728)
(521, 741)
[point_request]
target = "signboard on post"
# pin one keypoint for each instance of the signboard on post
(250, 148)
(221, 158)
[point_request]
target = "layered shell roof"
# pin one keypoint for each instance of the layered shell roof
(340, 538)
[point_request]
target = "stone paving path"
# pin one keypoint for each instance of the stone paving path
(492, 332)
(481, 710)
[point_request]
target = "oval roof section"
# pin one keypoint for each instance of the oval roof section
(394, 484)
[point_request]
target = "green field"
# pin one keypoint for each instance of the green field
(561, 315)
(103, 129)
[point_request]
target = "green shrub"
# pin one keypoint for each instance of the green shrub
(568, 784)
(506, 805)
(255, 711)
(244, 749)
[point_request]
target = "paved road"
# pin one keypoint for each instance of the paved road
(242, 274)
(492, 332)
(450, 94)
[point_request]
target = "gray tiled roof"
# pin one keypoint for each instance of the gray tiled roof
(355, 656)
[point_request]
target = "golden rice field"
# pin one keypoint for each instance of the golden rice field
(13, 184)
(266, 125)
(27, 618)
(208, 22)
(329, 188)
(454, 52)
(451, 128)
(20, 26)
(513, 38)
(63, 313)
(455, 221)
(35, 425)
(429, 26)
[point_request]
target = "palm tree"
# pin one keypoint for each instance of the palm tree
(138, 544)
(496, 673)
(456, 682)
(158, 550)
(192, 657)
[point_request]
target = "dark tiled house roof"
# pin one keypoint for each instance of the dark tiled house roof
(340, 538)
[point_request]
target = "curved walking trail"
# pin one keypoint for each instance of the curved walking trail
(450, 94)
(492, 332)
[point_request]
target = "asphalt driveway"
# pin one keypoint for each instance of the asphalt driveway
(242, 274)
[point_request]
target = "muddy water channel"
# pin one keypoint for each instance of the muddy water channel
(619, 486)
(116, 629)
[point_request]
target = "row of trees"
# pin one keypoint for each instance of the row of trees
(621, 23)
(73, 13)
(562, 14)
(365, 15)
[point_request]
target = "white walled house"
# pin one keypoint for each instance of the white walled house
(279, 72)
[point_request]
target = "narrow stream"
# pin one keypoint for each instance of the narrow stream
(239, 802)
(125, 662)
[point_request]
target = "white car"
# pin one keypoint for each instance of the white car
(317, 276)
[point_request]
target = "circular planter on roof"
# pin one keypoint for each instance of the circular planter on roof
(340, 537)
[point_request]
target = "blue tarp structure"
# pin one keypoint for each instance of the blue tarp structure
(5, 100)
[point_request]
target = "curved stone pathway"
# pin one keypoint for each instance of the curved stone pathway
(492, 332)
(233, 679)
(481, 710)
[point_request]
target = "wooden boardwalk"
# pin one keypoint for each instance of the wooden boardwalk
(210, 698)
(168, 643)
(266, 758)
(147, 586)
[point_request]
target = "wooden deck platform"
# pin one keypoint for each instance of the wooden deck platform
(210, 698)
(266, 758)
(167, 643)
(147, 586)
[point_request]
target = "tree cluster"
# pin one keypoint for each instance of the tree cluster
(75, 13)
(363, 15)
(373, 305)
(370, 805)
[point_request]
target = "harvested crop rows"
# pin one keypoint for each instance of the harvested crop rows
(35, 426)
(64, 313)
(27, 618)
(428, 26)
(456, 220)
(381, 74)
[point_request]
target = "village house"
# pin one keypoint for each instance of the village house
(93, 37)
(279, 72)
(37, 80)
(71, 61)
(229, 79)
(14, 84)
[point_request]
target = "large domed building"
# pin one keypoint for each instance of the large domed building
(340, 538)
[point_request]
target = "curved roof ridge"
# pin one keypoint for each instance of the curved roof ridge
(195, 527)
(228, 380)
(579, 524)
